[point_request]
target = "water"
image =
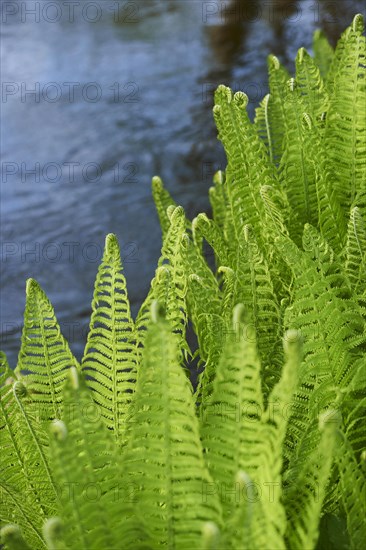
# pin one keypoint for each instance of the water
(123, 91)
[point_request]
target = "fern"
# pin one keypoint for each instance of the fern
(311, 86)
(323, 52)
(163, 438)
(110, 357)
(345, 133)
(270, 116)
(44, 355)
(28, 491)
(84, 467)
(356, 253)
(305, 494)
(268, 451)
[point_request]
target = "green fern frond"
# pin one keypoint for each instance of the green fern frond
(169, 286)
(345, 132)
(214, 330)
(204, 228)
(237, 532)
(88, 472)
(353, 484)
(354, 410)
(162, 200)
(254, 289)
(263, 125)
(278, 76)
(230, 418)
(204, 306)
(341, 50)
(331, 218)
(248, 166)
(218, 199)
(297, 173)
(278, 212)
(269, 520)
(323, 52)
(235, 419)
(110, 357)
(311, 87)
(277, 209)
(44, 354)
(159, 290)
(332, 330)
(304, 493)
(355, 264)
(270, 450)
(28, 491)
(171, 254)
(163, 440)
(196, 265)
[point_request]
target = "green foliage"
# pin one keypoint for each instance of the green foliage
(110, 357)
(269, 450)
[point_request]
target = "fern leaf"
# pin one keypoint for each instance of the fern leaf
(204, 306)
(323, 52)
(24, 460)
(231, 417)
(163, 200)
(169, 286)
(44, 355)
(345, 132)
(310, 83)
(355, 264)
(159, 290)
(354, 410)
(248, 166)
(110, 357)
(330, 216)
(263, 126)
(214, 330)
(235, 420)
(218, 199)
(88, 471)
(332, 330)
(278, 76)
(237, 532)
(14, 507)
(171, 255)
(353, 484)
(297, 172)
(204, 228)
(163, 439)
(194, 262)
(255, 290)
(305, 493)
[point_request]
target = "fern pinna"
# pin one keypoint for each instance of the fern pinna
(268, 449)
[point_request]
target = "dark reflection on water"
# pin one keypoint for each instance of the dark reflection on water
(123, 91)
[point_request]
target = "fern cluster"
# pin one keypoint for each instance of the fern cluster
(269, 451)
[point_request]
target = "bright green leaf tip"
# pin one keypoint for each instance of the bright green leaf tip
(157, 312)
(111, 243)
(358, 23)
(32, 287)
(58, 429)
(52, 532)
